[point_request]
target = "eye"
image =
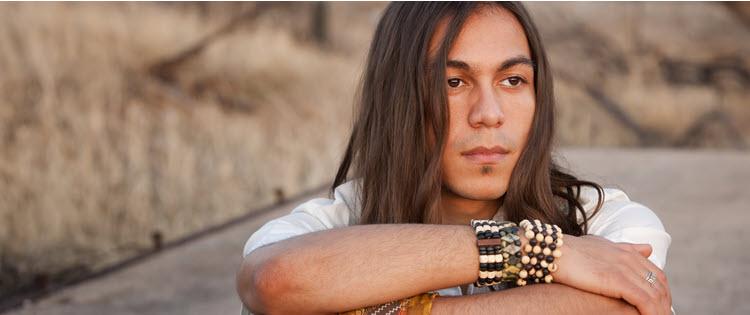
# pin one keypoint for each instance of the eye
(454, 82)
(513, 81)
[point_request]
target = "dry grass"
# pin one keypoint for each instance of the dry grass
(97, 154)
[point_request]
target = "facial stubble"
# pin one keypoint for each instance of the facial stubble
(486, 170)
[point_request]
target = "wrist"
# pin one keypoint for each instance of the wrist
(541, 252)
(563, 273)
(515, 255)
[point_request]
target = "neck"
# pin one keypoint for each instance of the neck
(459, 210)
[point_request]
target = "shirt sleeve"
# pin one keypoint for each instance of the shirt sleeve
(314, 215)
(622, 220)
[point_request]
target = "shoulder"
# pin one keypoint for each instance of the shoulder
(313, 215)
(621, 219)
(617, 210)
(342, 210)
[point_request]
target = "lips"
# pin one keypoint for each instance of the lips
(484, 155)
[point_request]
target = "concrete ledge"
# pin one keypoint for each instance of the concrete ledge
(701, 197)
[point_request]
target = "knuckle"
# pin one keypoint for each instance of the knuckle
(640, 296)
(662, 291)
(624, 255)
(662, 294)
(661, 276)
(655, 303)
(659, 292)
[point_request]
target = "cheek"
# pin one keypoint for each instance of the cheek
(452, 166)
(454, 129)
(520, 118)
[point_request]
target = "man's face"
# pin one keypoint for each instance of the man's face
(490, 85)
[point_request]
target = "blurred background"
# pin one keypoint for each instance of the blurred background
(129, 128)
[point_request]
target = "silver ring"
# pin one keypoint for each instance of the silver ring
(651, 278)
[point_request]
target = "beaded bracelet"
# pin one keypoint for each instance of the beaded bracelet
(499, 252)
(540, 252)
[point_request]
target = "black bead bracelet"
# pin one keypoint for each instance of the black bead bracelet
(540, 252)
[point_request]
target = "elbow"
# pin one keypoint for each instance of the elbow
(260, 285)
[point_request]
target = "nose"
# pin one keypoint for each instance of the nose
(486, 110)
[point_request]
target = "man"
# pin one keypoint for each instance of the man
(455, 123)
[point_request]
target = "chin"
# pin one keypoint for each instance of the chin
(481, 188)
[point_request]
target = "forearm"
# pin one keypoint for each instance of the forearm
(533, 299)
(367, 264)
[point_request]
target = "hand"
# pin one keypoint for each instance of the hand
(616, 270)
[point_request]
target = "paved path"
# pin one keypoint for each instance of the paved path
(701, 196)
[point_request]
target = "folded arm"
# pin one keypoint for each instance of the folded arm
(366, 264)
(533, 299)
(378, 263)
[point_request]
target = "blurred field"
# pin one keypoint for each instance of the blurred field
(112, 144)
(100, 157)
(650, 74)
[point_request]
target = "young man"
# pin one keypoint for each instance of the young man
(455, 123)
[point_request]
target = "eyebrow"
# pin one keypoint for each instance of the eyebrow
(508, 63)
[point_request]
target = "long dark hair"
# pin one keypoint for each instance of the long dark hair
(402, 111)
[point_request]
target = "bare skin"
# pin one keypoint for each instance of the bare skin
(491, 104)
(322, 272)
(532, 300)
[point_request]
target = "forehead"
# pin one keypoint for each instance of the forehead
(489, 34)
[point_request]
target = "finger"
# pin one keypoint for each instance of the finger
(633, 289)
(661, 282)
(669, 296)
(636, 269)
(642, 294)
(662, 304)
(637, 295)
(669, 293)
(659, 290)
(643, 249)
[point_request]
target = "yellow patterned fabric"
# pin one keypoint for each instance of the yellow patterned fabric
(416, 305)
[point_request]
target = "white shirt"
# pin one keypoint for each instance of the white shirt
(619, 220)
